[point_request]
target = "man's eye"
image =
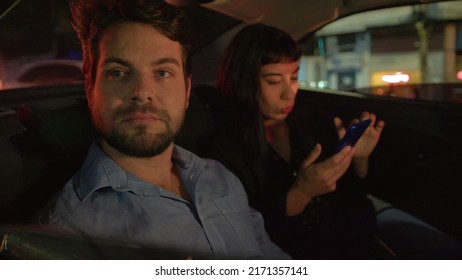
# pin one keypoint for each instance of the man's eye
(163, 74)
(116, 74)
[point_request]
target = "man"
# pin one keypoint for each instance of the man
(135, 184)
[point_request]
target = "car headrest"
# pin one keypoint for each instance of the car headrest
(62, 125)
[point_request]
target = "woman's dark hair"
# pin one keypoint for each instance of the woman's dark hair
(238, 78)
(91, 17)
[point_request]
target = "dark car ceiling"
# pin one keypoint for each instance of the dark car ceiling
(286, 14)
(203, 30)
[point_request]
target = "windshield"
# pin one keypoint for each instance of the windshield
(412, 52)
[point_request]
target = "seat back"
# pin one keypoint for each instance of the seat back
(44, 156)
(54, 144)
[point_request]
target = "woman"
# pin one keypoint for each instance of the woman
(314, 204)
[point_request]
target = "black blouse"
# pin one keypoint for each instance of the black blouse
(337, 225)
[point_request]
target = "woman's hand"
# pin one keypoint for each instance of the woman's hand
(366, 144)
(368, 141)
(315, 179)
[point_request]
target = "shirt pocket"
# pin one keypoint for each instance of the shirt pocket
(238, 217)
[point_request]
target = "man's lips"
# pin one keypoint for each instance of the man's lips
(141, 118)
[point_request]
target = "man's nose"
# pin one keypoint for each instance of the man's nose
(143, 90)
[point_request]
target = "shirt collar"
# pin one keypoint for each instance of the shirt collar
(100, 171)
(184, 159)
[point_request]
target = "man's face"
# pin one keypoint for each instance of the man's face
(140, 95)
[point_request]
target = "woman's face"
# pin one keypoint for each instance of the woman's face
(278, 88)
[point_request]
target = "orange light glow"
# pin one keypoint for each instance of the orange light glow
(395, 78)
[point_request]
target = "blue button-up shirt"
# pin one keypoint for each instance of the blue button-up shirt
(105, 201)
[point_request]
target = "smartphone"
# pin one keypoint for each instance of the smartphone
(352, 135)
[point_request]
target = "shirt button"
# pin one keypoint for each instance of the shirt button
(295, 173)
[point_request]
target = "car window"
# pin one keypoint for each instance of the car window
(59, 72)
(38, 45)
(412, 52)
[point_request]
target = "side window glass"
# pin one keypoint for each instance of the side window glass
(412, 52)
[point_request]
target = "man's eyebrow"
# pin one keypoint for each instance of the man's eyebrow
(117, 60)
(166, 60)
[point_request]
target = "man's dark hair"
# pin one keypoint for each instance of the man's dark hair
(90, 18)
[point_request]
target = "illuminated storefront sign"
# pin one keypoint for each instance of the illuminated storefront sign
(395, 78)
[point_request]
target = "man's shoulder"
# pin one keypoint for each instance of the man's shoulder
(68, 194)
(209, 165)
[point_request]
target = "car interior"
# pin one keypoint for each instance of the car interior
(45, 132)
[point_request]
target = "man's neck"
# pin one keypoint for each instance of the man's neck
(158, 170)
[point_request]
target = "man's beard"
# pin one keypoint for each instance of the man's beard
(141, 143)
